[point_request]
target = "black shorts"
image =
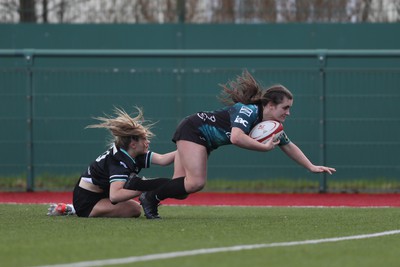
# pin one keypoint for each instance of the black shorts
(188, 129)
(84, 200)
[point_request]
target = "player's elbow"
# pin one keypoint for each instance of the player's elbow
(237, 136)
(235, 140)
(114, 198)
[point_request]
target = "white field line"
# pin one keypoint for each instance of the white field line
(277, 206)
(176, 254)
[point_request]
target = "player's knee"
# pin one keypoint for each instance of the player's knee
(132, 208)
(195, 186)
(136, 212)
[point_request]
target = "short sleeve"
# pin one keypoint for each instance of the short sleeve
(144, 161)
(284, 139)
(243, 116)
(118, 172)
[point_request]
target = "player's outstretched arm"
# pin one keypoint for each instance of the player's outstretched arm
(295, 153)
(163, 159)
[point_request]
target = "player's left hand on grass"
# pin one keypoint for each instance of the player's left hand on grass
(318, 169)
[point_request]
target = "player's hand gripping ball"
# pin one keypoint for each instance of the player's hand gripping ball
(264, 130)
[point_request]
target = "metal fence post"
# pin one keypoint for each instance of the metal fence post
(323, 188)
(30, 185)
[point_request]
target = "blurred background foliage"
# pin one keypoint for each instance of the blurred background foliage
(199, 11)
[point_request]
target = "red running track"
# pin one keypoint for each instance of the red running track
(234, 199)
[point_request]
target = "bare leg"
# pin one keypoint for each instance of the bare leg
(193, 160)
(179, 171)
(125, 209)
(190, 161)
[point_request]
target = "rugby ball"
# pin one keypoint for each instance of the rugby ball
(264, 130)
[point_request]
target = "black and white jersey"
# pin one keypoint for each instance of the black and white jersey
(115, 165)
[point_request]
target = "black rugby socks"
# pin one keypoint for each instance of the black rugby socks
(174, 188)
(140, 184)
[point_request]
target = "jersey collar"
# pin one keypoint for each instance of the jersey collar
(122, 154)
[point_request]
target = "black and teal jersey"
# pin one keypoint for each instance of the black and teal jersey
(215, 126)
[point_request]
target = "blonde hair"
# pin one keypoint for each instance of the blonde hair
(125, 128)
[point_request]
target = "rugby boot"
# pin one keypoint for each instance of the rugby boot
(150, 206)
(60, 209)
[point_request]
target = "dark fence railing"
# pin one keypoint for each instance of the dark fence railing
(345, 112)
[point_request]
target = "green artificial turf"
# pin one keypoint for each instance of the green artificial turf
(30, 238)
